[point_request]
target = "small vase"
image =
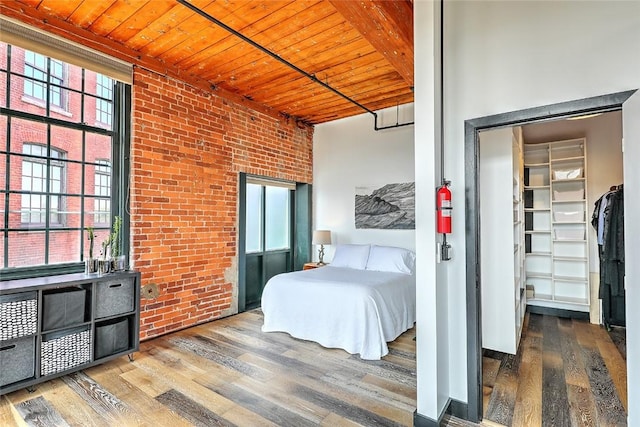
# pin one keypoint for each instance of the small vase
(90, 266)
(104, 266)
(119, 263)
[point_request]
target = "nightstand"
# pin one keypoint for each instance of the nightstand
(310, 265)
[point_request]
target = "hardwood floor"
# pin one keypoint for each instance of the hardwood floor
(566, 373)
(228, 373)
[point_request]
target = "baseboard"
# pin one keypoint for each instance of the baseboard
(558, 312)
(457, 409)
(420, 420)
(453, 407)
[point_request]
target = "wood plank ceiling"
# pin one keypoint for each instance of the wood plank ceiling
(362, 48)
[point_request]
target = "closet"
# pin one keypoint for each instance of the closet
(556, 238)
(538, 247)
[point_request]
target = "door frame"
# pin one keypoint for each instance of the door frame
(300, 227)
(597, 104)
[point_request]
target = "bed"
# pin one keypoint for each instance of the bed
(356, 303)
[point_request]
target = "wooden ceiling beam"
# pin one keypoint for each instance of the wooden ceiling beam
(387, 25)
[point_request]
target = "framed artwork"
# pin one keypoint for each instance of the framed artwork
(390, 207)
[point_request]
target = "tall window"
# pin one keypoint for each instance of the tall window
(60, 177)
(104, 89)
(266, 215)
(268, 218)
(277, 218)
(102, 191)
(34, 184)
(36, 67)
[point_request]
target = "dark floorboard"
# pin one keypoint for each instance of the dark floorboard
(575, 385)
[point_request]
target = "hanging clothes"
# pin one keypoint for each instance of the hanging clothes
(608, 221)
(598, 217)
(613, 246)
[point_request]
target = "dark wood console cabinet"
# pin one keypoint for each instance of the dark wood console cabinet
(52, 326)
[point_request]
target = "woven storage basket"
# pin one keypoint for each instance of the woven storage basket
(18, 315)
(65, 350)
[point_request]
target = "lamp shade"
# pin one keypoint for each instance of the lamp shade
(321, 237)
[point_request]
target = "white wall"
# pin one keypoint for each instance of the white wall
(631, 133)
(432, 349)
(349, 153)
(503, 56)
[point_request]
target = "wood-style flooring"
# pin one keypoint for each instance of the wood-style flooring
(566, 373)
(228, 373)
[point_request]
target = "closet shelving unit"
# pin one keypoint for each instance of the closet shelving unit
(556, 260)
(518, 231)
(502, 239)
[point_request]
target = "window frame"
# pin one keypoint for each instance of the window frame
(54, 87)
(120, 134)
(46, 193)
(98, 172)
(104, 95)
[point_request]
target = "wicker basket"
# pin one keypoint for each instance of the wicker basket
(65, 350)
(18, 315)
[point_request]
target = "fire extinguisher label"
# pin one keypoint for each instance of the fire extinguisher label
(446, 204)
(446, 213)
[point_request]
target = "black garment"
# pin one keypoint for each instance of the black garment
(611, 252)
(613, 247)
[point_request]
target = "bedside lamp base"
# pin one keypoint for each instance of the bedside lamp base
(321, 255)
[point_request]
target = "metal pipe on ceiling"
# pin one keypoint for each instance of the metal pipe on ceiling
(263, 49)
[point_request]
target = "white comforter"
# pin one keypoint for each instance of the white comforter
(356, 310)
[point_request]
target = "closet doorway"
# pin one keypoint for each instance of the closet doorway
(560, 168)
(603, 104)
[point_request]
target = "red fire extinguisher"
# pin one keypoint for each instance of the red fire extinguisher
(444, 208)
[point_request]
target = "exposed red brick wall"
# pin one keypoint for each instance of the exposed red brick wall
(187, 150)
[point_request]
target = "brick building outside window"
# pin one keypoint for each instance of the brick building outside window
(56, 174)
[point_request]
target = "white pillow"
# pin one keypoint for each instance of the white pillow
(394, 260)
(351, 256)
